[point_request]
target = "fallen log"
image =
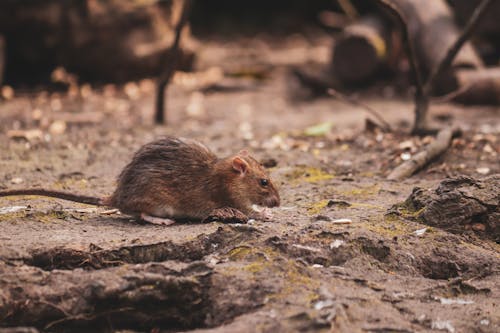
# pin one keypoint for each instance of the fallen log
(432, 30)
(359, 53)
(481, 86)
(97, 40)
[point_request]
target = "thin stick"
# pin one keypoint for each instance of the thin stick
(421, 159)
(170, 65)
(421, 103)
(384, 124)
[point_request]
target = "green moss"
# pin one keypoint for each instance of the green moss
(70, 183)
(317, 207)
(294, 278)
(269, 262)
(45, 217)
(389, 228)
(12, 216)
(239, 253)
(362, 192)
(308, 175)
(256, 267)
(50, 216)
(406, 211)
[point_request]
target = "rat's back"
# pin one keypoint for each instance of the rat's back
(160, 176)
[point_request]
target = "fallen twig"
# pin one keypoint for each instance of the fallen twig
(421, 159)
(384, 125)
(171, 61)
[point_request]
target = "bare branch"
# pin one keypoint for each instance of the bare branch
(171, 61)
(421, 104)
(455, 48)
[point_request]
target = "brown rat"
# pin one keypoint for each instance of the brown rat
(181, 179)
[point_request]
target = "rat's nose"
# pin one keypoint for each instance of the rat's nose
(273, 201)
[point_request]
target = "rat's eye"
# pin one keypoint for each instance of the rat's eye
(264, 182)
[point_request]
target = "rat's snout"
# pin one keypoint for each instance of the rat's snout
(273, 201)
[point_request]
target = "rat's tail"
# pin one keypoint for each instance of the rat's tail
(57, 194)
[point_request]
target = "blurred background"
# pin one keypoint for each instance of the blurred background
(121, 40)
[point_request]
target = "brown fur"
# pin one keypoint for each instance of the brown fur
(186, 177)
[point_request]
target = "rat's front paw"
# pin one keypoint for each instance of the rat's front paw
(226, 215)
(263, 214)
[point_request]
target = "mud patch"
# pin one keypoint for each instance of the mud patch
(139, 296)
(96, 258)
(450, 263)
(376, 249)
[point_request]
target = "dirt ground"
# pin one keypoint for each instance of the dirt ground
(66, 267)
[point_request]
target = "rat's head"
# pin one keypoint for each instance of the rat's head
(250, 183)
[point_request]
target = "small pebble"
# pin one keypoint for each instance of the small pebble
(58, 127)
(405, 156)
(336, 244)
(483, 171)
(484, 322)
(420, 232)
(7, 92)
(17, 180)
(342, 221)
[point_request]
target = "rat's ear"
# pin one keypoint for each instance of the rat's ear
(243, 153)
(240, 164)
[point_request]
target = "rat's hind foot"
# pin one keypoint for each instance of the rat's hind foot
(226, 215)
(156, 220)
